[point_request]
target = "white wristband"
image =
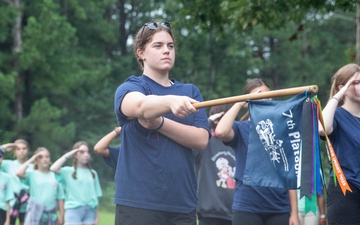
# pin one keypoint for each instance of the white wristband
(322, 216)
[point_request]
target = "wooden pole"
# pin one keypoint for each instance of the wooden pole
(253, 96)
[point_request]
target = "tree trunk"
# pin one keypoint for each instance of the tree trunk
(17, 41)
(122, 29)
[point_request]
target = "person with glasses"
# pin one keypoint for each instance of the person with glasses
(155, 174)
(341, 117)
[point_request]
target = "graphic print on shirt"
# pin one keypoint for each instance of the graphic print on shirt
(226, 171)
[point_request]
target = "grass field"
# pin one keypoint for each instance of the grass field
(106, 217)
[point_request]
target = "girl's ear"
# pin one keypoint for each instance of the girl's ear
(340, 86)
(140, 53)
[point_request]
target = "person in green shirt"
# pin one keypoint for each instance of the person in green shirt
(20, 148)
(6, 194)
(46, 192)
(80, 205)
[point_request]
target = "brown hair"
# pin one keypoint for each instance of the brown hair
(74, 159)
(251, 85)
(39, 149)
(144, 36)
(341, 77)
(22, 141)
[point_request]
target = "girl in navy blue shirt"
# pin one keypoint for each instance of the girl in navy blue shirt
(155, 173)
(254, 205)
(342, 122)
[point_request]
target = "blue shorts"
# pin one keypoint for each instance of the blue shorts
(80, 215)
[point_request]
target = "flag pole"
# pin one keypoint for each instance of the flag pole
(254, 96)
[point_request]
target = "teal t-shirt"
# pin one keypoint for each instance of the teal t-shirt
(44, 188)
(85, 190)
(6, 192)
(10, 167)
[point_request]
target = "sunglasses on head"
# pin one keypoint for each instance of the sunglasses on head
(154, 26)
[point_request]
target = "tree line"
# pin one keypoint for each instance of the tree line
(61, 61)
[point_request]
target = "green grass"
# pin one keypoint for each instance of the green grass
(107, 217)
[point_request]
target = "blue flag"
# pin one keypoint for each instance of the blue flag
(275, 143)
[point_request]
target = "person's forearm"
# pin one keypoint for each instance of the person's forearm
(8, 146)
(137, 105)
(22, 169)
(61, 208)
(55, 167)
(224, 127)
(321, 204)
(188, 136)
(7, 211)
(328, 114)
(293, 202)
(102, 146)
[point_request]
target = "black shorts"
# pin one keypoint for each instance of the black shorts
(126, 215)
(343, 209)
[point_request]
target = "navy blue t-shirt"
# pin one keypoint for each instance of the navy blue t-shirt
(153, 171)
(345, 139)
(112, 159)
(250, 198)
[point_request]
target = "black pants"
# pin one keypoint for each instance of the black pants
(342, 209)
(213, 221)
(245, 218)
(2, 216)
(126, 215)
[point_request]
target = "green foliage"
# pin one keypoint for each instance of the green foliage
(7, 93)
(75, 54)
(43, 127)
(246, 14)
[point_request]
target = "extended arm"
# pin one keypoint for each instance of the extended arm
(102, 146)
(224, 129)
(138, 105)
(22, 169)
(8, 146)
(55, 167)
(329, 110)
